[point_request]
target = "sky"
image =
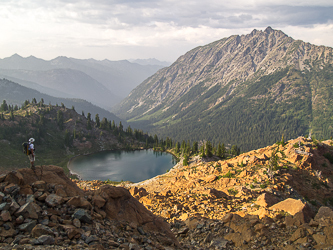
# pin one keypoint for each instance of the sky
(161, 29)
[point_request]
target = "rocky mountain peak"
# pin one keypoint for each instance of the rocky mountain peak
(217, 77)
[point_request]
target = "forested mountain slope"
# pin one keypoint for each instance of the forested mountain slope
(246, 90)
(15, 94)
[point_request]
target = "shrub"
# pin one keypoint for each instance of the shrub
(232, 191)
(228, 175)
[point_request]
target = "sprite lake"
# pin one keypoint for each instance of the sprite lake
(119, 165)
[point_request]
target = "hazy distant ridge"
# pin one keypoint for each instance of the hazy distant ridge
(103, 83)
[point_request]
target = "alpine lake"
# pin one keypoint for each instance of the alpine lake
(134, 166)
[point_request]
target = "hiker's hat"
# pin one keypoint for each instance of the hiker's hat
(31, 140)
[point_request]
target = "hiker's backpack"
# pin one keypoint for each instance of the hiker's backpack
(25, 146)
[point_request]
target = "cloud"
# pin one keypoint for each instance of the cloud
(86, 27)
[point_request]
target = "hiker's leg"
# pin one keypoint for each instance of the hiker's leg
(32, 162)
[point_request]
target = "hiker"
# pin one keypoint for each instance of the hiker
(31, 153)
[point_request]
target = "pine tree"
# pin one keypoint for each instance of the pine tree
(120, 127)
(202, 151)
(185, 160)
(195, 148)
(223, 150)
(219, 150)
(60, 119)
(4, 106)
(209, 149)
(97, 120)
(67, 138)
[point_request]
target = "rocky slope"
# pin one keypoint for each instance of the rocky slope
(275, 83)
(46, 210)
(275, 197)
(279, 196)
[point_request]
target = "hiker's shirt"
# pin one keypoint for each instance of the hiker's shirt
(31, 148)
(31, 154)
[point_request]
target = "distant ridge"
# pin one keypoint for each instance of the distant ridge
(246, 90)
(103, 83)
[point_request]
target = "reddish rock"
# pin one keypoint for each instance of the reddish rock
(266, 200)
(210, 178)
(39, 184)
(218, 194)
(5, 216)
(40, 230)
(50, 174)
(72, 231)
(122, 206)
(98, 201)
(14, 177)
(293, 206)
(78, 201)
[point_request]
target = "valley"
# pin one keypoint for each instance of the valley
(249, 118)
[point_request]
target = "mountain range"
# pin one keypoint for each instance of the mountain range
(104, 83)
(247, 90)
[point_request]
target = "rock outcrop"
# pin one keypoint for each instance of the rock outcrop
(44, 208)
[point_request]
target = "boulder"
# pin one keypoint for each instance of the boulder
(39, 185)
(53, 200)
(45, 240)
(50, 174)
(14, 177)
(27, 227)
(324, 212)
(218, 194)
(12, 189)
(78, 201)
(293, 207)
(266, 200)
(40, 230)
(82, 215)
(72, 231)
(122, 206)
(28, 211)
(98, 201)
(5, 216)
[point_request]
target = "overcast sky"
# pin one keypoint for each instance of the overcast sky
(162, 29)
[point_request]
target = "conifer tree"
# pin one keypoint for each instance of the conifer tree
(60, 119)
(223, 150)
(185, 160)
(67, 138)
(120, 127)
(177, 148)
(4, 106)
(195, 147)
(11, 116)
(219, 150)
(209, 149)
(97, 120)
(202, 151)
